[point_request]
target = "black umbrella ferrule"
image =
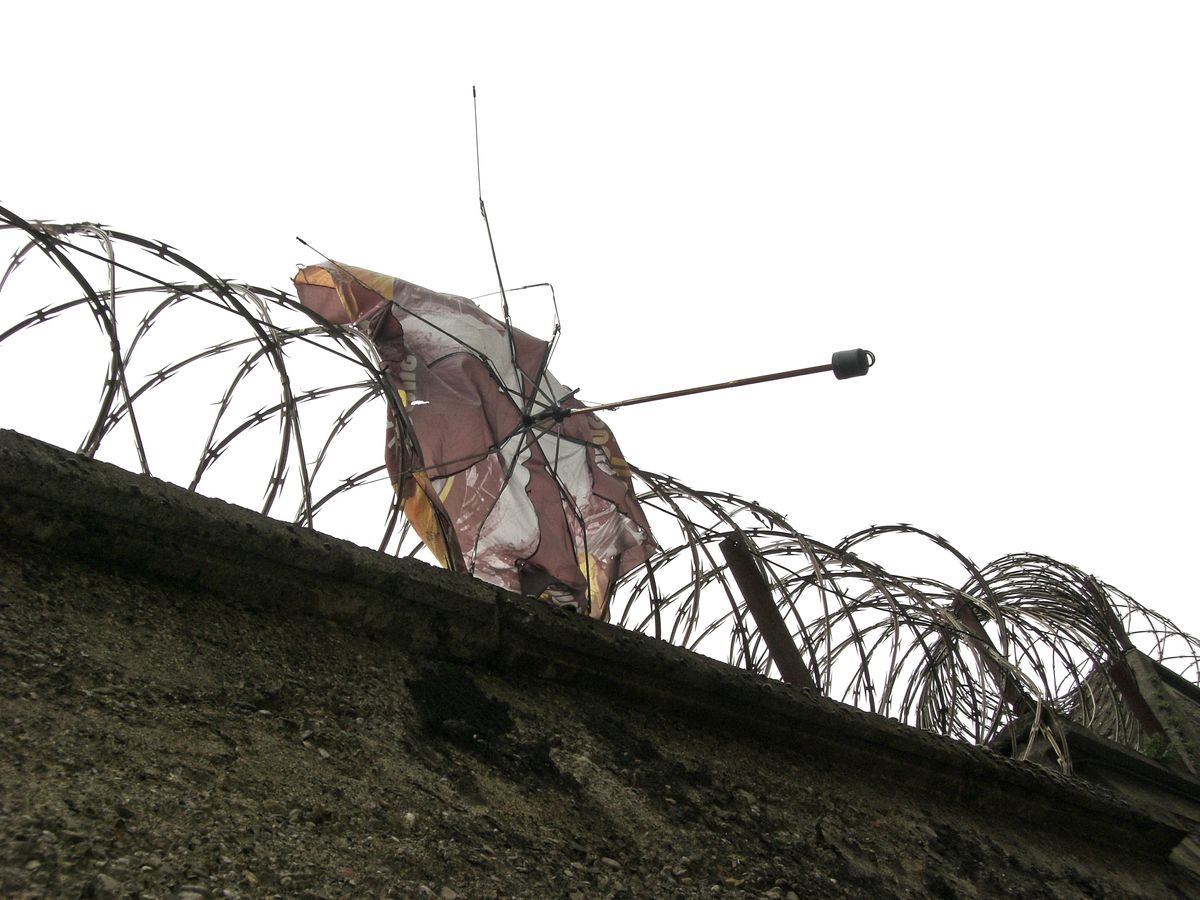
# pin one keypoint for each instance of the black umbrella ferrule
(852, 363)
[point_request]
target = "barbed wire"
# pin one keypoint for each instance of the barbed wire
(193, 370)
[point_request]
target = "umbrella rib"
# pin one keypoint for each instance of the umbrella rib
(512, 465)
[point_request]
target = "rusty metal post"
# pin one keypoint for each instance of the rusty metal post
(1014, 694)
(766, 615)
(1118, 669)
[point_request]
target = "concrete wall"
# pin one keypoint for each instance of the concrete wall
(198, 701)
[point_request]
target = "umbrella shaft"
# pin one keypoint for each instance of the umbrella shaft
(685, 392)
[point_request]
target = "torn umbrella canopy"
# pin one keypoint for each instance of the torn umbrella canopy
(494, 484)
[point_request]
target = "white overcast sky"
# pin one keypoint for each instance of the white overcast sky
(1002, 201)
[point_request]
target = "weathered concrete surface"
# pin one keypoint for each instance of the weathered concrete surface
(100, 512)
(195, 698)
